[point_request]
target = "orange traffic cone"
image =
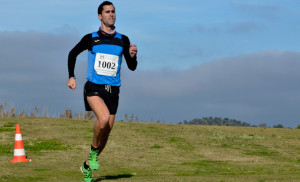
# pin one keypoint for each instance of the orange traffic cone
(19, 152)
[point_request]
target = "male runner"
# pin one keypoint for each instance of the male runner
(101, 91)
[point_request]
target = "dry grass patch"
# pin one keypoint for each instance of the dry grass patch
(151, 152)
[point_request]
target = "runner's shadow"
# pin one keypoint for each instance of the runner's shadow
(112, 177)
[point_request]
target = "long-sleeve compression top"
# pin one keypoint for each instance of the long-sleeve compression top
(86, 44)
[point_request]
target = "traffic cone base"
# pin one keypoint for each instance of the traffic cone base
(20, 159)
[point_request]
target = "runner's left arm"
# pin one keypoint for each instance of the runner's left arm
(131, 61)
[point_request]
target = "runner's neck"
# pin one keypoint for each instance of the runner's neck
(105, 32)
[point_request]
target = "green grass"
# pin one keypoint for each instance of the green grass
(39, 145)
(142, 152)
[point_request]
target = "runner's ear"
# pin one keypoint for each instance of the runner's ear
(100, 17)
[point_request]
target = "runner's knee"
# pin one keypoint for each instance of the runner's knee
(103, 120)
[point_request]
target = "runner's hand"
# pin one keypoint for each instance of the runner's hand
(132, 50)
(72, 83)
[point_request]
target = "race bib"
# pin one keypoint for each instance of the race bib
(106, 64)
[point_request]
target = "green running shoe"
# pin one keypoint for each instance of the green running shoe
(93, 159)
(87, 174)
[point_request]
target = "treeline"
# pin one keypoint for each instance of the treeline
(8, 111)
(223, 122)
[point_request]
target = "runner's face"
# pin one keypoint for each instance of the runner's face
(108, 15)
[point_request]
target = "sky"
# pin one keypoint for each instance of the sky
(221, 58)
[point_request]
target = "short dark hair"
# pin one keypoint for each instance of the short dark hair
(100, 8)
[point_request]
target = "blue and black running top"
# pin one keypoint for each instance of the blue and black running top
(104, 57)
(104, 60)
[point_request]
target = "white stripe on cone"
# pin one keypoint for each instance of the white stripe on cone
(19, 152)
(18, 137)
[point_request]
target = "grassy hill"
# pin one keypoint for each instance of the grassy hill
(141, 152)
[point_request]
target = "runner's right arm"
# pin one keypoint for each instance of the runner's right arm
(80, 47)
(84, 44)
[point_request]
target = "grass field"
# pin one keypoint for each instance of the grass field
(141, 152)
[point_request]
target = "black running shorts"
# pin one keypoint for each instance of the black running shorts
(110, 95)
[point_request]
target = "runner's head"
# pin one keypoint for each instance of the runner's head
(105, 3)
(106, 14)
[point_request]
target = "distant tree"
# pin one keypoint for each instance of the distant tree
(216, 121)
(298, 127)
(278, 126)
(263, 125)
